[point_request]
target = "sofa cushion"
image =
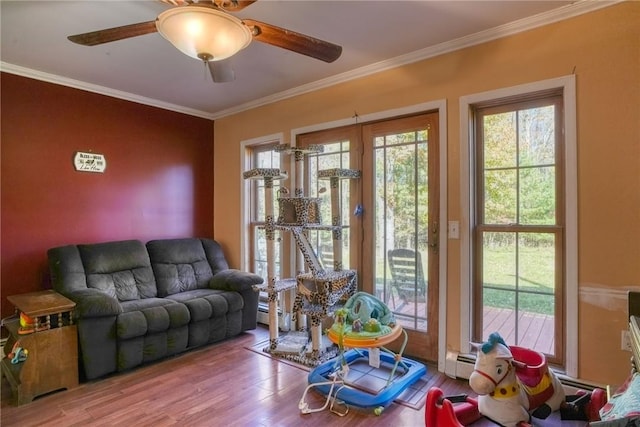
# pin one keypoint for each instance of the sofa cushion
(151, 315)
(208, 303)
(235, 280)
(215, 255)
(180, 265)
(119, 269)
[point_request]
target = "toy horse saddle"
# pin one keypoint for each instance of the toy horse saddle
(533, 372)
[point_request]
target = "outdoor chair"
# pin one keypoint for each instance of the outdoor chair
(407, 278)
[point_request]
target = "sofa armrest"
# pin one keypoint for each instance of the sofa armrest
(234, 280)
(93, 303)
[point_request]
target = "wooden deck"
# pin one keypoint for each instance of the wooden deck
(535, 330)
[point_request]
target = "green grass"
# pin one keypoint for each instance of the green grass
(531, 279)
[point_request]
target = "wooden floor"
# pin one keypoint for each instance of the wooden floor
(220, 385)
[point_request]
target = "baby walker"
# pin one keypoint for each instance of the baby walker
(365, 325)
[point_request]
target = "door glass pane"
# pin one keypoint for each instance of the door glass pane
(334, 156)
(401, 225)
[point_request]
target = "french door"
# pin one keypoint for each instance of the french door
(400, 246)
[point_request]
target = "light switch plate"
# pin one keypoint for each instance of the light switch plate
(454, 229)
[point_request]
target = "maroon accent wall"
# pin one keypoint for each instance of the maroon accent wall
(158, 182)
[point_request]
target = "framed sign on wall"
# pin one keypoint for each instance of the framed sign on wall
(89, 162)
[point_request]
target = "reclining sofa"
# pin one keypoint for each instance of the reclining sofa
(138, 303)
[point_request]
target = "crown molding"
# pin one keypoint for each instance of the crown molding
(575, 9)
(101, 90)
(566, 12)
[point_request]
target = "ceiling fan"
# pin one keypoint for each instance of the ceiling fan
(205, 30)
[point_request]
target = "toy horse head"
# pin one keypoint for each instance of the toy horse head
(500, 396)
(493, 365)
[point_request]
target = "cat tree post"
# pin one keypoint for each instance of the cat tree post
(336, 221)
(271, 287)
(270, 232)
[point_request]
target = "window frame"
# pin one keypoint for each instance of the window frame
(246, 160)
(556, 229)
(468, 174)
(254, 222)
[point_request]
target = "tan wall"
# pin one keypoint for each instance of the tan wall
(603, 49)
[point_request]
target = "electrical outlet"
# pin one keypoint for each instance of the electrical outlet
(625, 341)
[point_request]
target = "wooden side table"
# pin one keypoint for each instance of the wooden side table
(52, 359)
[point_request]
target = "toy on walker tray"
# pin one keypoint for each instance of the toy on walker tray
(513, 384)
(364, 322)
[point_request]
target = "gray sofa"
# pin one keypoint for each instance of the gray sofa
(138, 303)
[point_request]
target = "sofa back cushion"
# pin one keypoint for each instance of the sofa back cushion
(67, 271)
(121, 269)
(179, 265)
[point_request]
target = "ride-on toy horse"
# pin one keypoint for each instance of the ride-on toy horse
(513, 382)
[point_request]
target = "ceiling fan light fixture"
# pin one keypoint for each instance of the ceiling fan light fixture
(203, 32)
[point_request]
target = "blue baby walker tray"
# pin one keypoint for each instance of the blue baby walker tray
(365, 325)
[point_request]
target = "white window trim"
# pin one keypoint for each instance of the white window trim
(441, 107)
(568, 86)
(245, 192)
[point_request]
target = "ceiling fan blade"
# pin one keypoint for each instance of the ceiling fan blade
(296, 42)
(112, 34)
(221, 71)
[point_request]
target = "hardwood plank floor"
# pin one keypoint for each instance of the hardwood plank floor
(219, 385)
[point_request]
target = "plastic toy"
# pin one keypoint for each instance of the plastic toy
(18, 354)
(509, 387)
(329, 379)
(364, 322)
(513, 384)
(29, 325)
(449, 411)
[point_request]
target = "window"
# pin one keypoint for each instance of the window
(262, 156)
(519, 240)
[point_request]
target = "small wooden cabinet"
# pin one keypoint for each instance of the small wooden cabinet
(52, 360)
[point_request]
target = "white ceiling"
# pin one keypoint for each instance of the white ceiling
(375, 35)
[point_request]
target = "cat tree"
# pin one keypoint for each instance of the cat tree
(318, 290)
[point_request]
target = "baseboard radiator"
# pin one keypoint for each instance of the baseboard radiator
(263, 317)
(461, 366)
